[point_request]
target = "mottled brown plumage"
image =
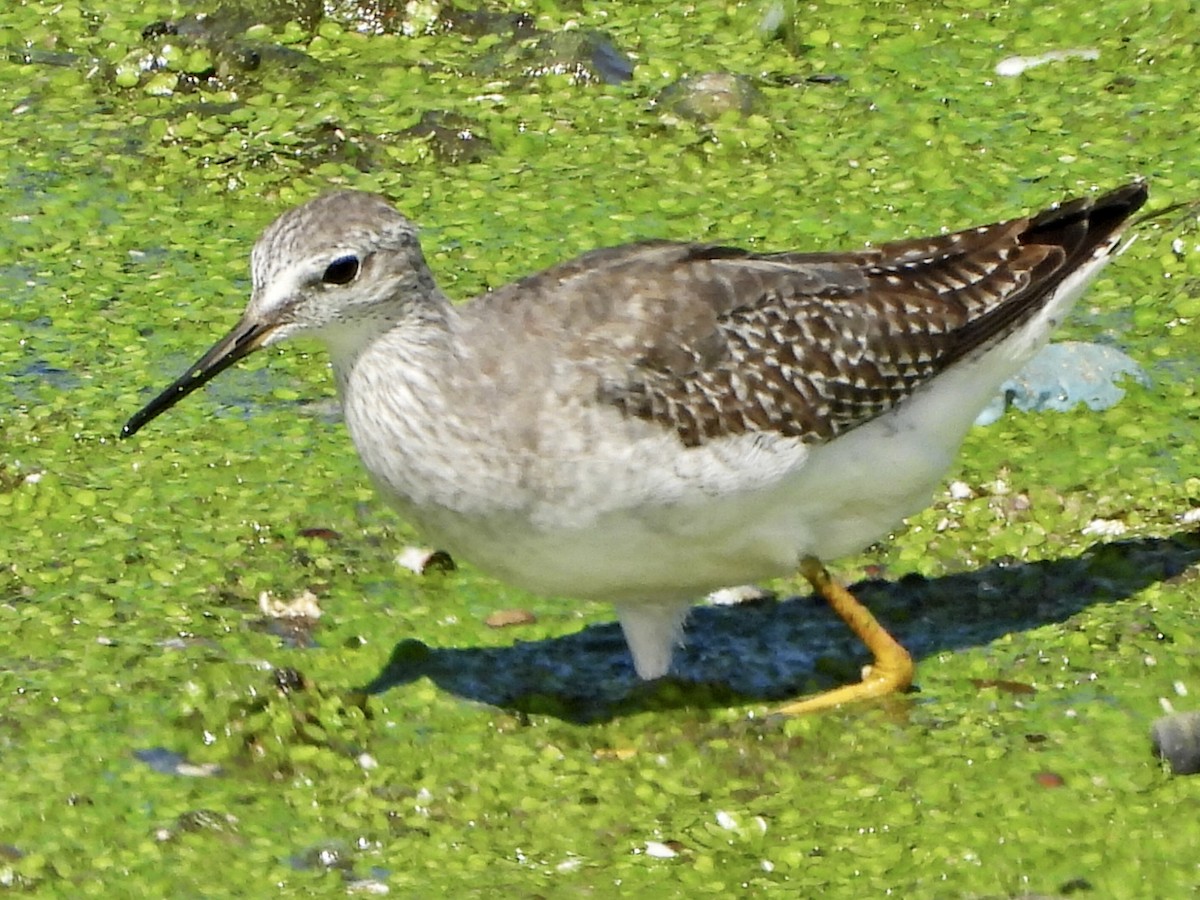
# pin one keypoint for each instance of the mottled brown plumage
(810, 345)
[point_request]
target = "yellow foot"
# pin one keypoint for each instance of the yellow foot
(893, 668)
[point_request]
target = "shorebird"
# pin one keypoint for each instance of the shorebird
(647, 423)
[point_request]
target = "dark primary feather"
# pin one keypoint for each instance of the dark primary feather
(809, 345)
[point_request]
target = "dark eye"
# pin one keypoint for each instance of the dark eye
(342, 270)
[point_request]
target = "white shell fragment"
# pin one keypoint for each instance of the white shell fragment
(1013, 66)
(303, 606)
(424, 559)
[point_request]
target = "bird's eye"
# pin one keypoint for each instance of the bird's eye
(342, 270)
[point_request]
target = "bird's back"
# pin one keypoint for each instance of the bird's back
(710, 341)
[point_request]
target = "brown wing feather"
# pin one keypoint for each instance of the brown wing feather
(812, 345)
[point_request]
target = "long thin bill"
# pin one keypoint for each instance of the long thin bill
(245, 338)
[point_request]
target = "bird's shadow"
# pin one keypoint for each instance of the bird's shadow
(769, 651)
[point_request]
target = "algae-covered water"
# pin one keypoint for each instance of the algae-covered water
(163, 733)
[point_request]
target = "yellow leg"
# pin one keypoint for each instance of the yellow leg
(893, 668)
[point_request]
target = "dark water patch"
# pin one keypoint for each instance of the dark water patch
(35, 376)
(168, 762)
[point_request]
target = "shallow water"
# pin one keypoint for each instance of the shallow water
(161, 738)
